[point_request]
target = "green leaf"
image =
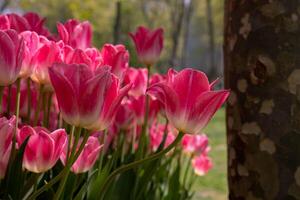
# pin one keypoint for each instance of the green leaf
(16, 175)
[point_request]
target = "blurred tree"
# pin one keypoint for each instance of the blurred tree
(182, 41)
(262, 47)
(211, 32)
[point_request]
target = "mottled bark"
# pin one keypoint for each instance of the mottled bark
(262, 69)
(117, 25)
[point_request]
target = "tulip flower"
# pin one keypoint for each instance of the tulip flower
(117, 57)
(43, 148)
(87, 157)
(32, 44)
(76, 34)
(43, 59)
(4, 22)
(37, 24)
(89, 56)
(194, 144)
(201, 164)
(87, 99)
(188, 100)
(18, 23)
(157, 134)
(6, 134)
(138, 78)
(148, 44)
(125, 116)
(11, 56)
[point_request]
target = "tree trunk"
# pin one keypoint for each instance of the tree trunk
(262, 70)
(211, 34)
(177, 14)
(187, 23)
(117, 25)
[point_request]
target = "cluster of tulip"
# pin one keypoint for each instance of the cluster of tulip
(62, 99)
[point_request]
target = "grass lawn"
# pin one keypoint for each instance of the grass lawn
(213, 186)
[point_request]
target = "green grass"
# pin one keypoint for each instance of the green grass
(213, 186)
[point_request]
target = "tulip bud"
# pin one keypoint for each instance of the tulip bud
(148, 44)
(11, 56)
(201, 164)
(188, 100)
(87, 157)
(6, 134)
(43, 148)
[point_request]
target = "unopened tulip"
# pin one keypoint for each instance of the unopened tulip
(11, 56)
(76, 34)
(194, 144)
(117, 57)
(32, 44)
(43, 59)
(4, 22)
(43, 149)
(6, 134)
(201, 164)
(86, 98)
(89, 56)
(36, 24)
(138, 78)
(156, 136)
(87, 157)
(18, 23)
(188, 100)
(148, 44)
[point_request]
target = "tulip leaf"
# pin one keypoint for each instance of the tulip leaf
(174, 185)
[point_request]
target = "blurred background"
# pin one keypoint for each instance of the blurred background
(193, 31)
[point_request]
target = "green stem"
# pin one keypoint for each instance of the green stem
(49, 108)
(69, 143)
(1, 97)
(38, 109)
(138, 162)
(28, 100)
(72, 160)
(102, 153)
(8, 101)
(13, 151)
(186, 170)
(44, 110)
(142, 144)
(47, 186)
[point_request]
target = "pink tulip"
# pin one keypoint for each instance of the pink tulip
(138, 78)
(87, 157)
(194, 144)
(89, 56)
(32, 44)
(188, 100)
(124, 117)
(4, 22)
(45, 56)
(76, 34)
(117, 57)
(201, 164)
(87, 99)
(36, 24)
(157, 134)
(18, 23)
(11, 56)
(43, 148)
(148, 44)
(13, 95)
(6, 134)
